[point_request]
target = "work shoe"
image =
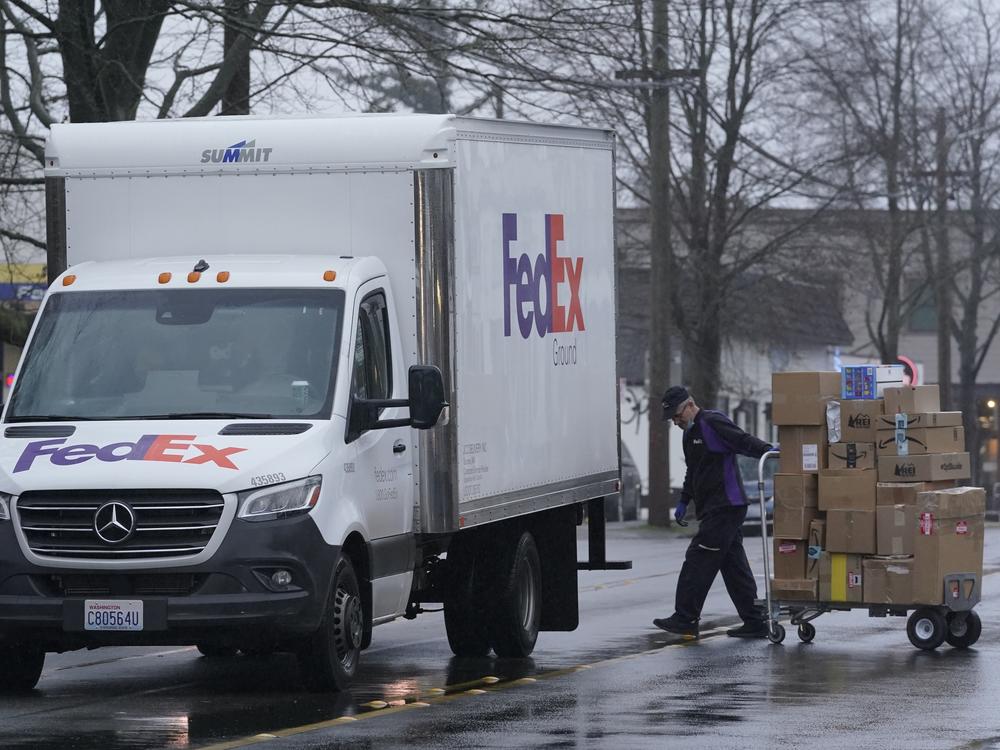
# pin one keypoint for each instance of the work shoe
(753, 629)
(675, 624)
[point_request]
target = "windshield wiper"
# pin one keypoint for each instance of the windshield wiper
(48, 418)
(201, 415)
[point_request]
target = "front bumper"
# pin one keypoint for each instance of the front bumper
(225, 600)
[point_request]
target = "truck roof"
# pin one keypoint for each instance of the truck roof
(213, 145)
(242, 271)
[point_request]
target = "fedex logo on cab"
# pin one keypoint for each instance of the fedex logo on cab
(544, 293)
(169, 448)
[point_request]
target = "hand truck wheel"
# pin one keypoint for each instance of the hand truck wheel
(963, 631)
(776, 633)
(807, 631)
(926, 628)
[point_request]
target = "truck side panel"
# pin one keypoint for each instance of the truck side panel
(534, 326)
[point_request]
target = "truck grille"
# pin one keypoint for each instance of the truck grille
(138, 584)
(135, 524)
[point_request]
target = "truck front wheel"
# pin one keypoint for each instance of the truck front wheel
(329, 658)
(21, 667)
(518, 606)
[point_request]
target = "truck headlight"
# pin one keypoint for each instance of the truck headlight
(4, 506)
(279, 500)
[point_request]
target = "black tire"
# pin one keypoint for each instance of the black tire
(216, 651)
(926, 628)
(777, 633)
(21, 667)
(963, 633)
(807, 631)
(517, 607)
(466, 613)
(329, 658)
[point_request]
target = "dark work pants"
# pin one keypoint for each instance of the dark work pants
(718, 546)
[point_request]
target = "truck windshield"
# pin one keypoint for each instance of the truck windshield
(175, 354)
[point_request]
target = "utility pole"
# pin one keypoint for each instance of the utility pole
(943, 276)
(661, 258)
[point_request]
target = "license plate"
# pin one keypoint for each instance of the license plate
(112, 614)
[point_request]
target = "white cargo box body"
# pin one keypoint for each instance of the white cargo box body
(497, 236)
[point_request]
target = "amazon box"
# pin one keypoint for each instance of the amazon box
(905, 493)
(794, 590)
(799, 398)
(851, 456)
(912, 399)
(790, 558)
(841, 577)
(814, 550)
(851, 531)
(842, 489)
(918, 440)
(948, 540)
(854, 421)
(799, 490)
(930, 419)
(895, 527)
(928, 467)
(803, 449)
(888, 580)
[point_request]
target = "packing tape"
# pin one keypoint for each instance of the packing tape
(838, 577)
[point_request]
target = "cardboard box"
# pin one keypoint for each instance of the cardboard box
(905, 493)
(869, 381)
(895, 527)
(912, 399)
(929, 467)
(814, 549)
(793, 590)
(948, 539)
(853, 421)
(918, 440)
(887, 421)
(790, 558)
(841, 578)
(851, 531)
(803, 449)
(792, 521)
(842, 489)
(851, 456)
(797, 490)
(888, 580)
(799, 398)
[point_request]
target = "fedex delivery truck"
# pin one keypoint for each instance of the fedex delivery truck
(295, 378)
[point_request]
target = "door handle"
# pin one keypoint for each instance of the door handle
(398, 447)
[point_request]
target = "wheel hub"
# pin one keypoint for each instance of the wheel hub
(924, 629)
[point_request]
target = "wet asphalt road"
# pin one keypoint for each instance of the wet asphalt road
(616, 682)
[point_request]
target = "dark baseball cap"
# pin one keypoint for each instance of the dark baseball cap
(673, 398)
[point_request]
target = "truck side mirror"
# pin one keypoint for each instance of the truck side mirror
(426, 396)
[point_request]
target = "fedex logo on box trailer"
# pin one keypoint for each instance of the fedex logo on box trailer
(545, 279)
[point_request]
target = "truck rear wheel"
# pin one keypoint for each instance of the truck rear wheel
(465, 611)
(518, 604)
(329, 658)
(21, 667)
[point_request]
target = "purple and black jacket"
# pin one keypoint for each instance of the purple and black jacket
(711, 445)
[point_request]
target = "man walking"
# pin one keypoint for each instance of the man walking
(712, 481)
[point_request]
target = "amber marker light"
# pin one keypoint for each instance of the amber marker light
(67, 280)
(163, 278)
(193, 277)
(222, 277)
(329, 276)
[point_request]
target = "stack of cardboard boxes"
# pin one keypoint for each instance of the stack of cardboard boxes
(865, 507)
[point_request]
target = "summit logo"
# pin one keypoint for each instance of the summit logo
(244, 151)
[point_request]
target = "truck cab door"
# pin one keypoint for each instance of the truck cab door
(383, 477)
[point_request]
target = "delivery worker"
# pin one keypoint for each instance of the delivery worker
(712, 482)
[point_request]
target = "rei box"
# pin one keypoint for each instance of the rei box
(948, 540)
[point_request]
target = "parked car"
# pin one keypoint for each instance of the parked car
(748, 474)
(625, 505)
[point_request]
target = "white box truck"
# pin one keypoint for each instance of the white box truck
(211, 437)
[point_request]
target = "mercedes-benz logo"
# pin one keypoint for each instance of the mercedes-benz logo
(114, 522)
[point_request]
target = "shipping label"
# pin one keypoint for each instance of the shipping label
(962, 528)
(853, 579)
(926, 524)
(810, 457)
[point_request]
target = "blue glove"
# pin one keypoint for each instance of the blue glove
(680, 510)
